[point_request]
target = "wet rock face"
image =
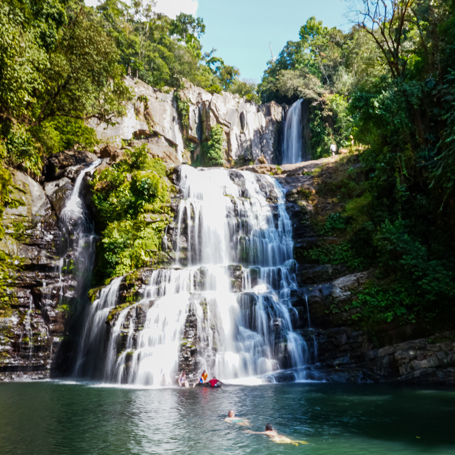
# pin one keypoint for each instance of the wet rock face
(40, 291)
(66, 164)
(347, 356)
(25, 344)
(32, 234)
(340, 349)
(188, 360)
(58, 192)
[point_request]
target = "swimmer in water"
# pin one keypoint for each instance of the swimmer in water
(231, 418)
(275, 437)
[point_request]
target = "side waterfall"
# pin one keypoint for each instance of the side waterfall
(227, 298)
(293, 145)
(80, 235)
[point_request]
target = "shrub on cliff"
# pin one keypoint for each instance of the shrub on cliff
(214, 154)
(131, 200)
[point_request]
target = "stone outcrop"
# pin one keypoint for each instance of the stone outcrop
(252, 132)
(150, 113)
(66, 164)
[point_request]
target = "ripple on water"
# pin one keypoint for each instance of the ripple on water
(71, 418)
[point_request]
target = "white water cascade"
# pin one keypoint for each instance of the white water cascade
(80, 235)
(227, 299)
(292, 145)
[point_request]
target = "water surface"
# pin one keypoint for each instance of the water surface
(52, 418)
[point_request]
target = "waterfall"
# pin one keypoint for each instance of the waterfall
(91, 355)
(80, 235)
(293, 144)
(78, 251)
(311, 331)
(226, 302)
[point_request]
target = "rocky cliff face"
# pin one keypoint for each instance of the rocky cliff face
(175, 124)
(343, 347)
(38, 293)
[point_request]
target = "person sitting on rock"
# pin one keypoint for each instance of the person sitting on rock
(182, 381)
(215, 382)
(202, 379)
(231, 418)
(275, 437)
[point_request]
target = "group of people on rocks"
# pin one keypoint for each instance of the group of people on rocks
(182, 380)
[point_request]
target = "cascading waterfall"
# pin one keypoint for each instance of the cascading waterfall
(228, 296)
(293, 143)
(79, 232)
(79, 239)
(91, 353)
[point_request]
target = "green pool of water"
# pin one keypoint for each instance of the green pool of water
(62, 418)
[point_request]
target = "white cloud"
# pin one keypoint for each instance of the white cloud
(173, 8)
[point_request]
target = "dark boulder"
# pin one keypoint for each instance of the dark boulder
(66, 164)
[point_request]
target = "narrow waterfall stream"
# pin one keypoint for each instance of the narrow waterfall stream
(227, 299)
(293, 145)
(79, 235)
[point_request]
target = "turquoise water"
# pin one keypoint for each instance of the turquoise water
(50, 418)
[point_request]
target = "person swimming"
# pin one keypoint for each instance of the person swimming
(231, 418)
(275, 437)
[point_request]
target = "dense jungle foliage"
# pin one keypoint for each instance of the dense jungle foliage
(390, 82)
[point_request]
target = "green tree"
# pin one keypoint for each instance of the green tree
(214, 154)
(56, 61)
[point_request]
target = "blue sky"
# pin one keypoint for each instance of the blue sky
(241, 30)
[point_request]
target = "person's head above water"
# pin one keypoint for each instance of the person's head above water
(231, 413)
(269, 427)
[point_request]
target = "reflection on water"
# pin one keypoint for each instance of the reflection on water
(73, 418)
